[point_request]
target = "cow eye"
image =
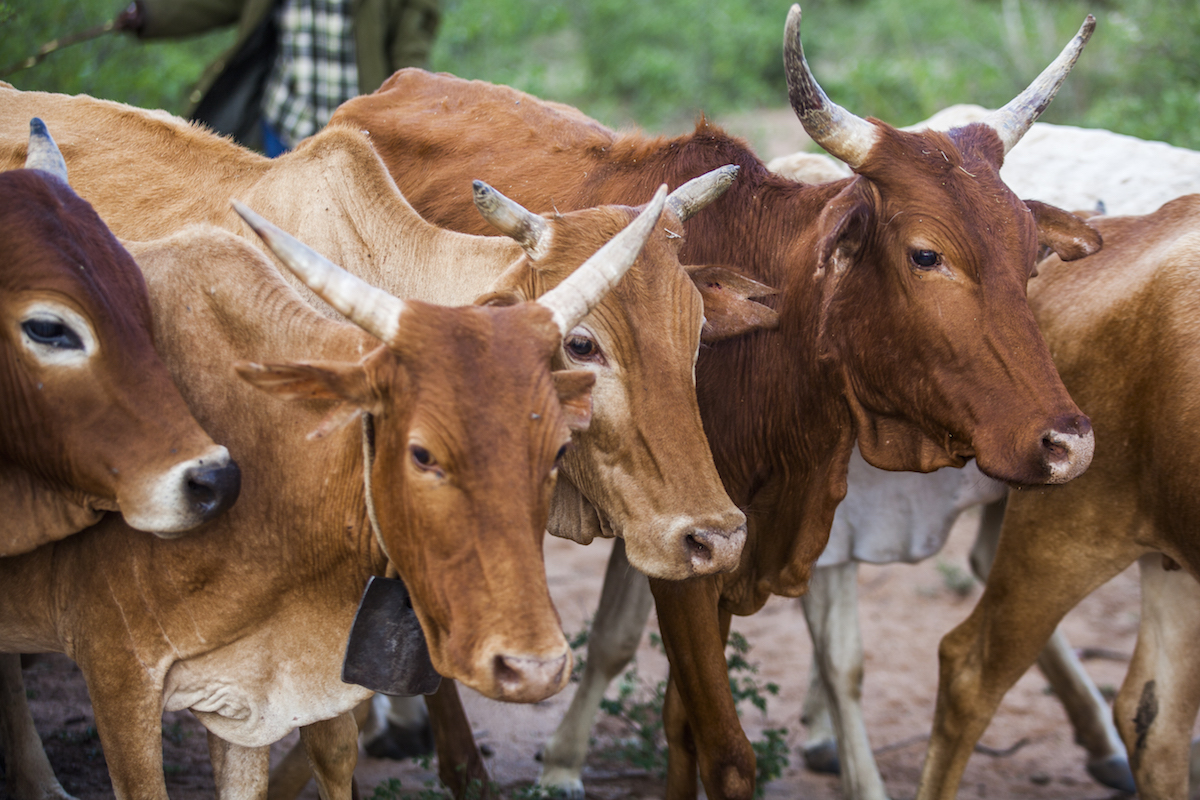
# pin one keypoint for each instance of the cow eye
(582, 347)
(52, 333)
(422, 457)
(926, 259)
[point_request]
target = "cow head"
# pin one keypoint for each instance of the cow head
(643, 465)
(92, 419)
(923, 259)
(470, 424)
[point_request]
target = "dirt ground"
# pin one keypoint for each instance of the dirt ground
(904, 611)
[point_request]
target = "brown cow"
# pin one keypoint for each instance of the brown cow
(91, 420)
(1122, 327)
(644, 462)
(247, 624)
(903, 322)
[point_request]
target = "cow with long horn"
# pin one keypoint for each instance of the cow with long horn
(902, 324)
(449, 478)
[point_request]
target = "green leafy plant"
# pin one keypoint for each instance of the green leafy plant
(639, 707)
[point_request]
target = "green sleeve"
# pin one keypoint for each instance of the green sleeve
(171, 18)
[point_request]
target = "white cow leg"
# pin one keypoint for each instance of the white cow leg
(831, 608)
(1087, 710)
(30, 776)
(240, 773)
(398, 728)
(625, 603)
(1157, 703)
(820, 748)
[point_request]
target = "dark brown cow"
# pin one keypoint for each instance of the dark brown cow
(903, 322)
(91, 421)
(246, 625)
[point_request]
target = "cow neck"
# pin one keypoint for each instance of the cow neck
(35, 514)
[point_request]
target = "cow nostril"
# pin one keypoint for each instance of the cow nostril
(212, 490)
(1055, 451)
(697, 549)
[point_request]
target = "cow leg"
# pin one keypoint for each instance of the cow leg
(398, 728)
(239, 773)
(700, 717)
(1046, 562)
(460, 764)
(127, 707)
(820, 745)
(1087, 710)
(831, 608)
(292, 773)
(332, 748)
(30, 776)
(625, 603)
(1157, 703)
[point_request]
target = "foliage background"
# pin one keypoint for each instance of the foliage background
(657, 64)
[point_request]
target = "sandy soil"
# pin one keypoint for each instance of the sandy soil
(904, 612)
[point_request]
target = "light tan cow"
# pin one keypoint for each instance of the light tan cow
(1122, 329)
(451, 482)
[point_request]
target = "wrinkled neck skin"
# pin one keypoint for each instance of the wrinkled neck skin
(35, 513)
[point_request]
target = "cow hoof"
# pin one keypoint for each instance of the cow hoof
(823, 757)
(1113, 772)
(399, 743)
(562, 783)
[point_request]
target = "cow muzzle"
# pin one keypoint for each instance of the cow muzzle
(691, 548)
(1067, 448)
(188, 494)
(713, 551)
(509, 674)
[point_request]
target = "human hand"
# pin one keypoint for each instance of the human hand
(132, 19)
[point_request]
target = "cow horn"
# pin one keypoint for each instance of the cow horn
(43, 153)
(843, 135)
(694, 195)
(575, 297)
(1015, 119)
(513, 220)
(372, 309)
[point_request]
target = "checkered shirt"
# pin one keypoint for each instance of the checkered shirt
(315, 70)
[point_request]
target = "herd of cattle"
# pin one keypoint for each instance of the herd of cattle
(675, 345)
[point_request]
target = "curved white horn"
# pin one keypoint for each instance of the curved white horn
(843, 135)
(694, 195)
(370, 308)
(43, 153)
(575, 297)
(1017, 117)
(513, 220)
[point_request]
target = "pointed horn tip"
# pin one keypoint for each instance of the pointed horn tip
(38, 128)
(252, 218)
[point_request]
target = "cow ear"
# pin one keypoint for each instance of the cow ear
(312, 380)
(1063, 232)
(575, 394)
(841, 227)
(729, 308)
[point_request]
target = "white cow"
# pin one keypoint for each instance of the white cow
(891, 517)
